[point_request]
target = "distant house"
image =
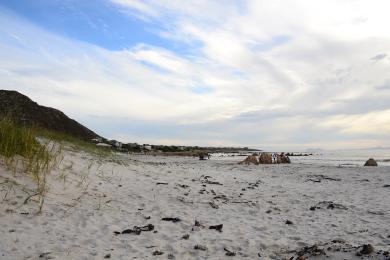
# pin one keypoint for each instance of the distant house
(147, 147)
(132, 145)
(103, 145)
(116, 144)
(97, 140)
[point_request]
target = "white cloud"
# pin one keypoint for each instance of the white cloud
(376, 122)
(314, 60)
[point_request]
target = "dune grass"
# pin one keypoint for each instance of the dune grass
(22, 150)
(20, 142)
(36, 152)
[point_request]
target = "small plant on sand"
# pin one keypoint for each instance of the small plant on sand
(21, 149)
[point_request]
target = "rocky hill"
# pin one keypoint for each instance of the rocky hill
(26, 112)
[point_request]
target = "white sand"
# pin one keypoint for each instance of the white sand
(95, 198)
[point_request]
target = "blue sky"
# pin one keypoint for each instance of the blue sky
(97, 22)
(274, 75)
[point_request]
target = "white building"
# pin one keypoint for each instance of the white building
(103, 145)
(147, 147)
(97, 140)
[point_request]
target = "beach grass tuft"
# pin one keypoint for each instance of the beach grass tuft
(22, 150)
(36, 152)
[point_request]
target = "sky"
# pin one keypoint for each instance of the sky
(281, 75)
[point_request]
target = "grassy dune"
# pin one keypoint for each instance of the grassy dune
(22, 150)
(36, 152)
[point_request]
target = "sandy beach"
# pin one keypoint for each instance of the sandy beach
(155, 207)
(144, 129)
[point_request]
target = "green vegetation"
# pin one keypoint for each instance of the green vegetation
(75, 144)
(19, 142)
(22, 150)
(36, 152)
(38, 149)
(166, 148)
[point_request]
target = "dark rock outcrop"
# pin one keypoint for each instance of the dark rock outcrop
(371, 162)
(23, 111)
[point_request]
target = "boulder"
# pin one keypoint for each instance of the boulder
(284, 158)
(265, 158)
(203, 155)
(367, 249)
(371, 162)
(251, 159)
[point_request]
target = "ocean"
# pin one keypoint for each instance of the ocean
(327, 157)
(345, 157)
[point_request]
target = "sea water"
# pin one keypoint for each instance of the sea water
(327, 157)
(345, 157)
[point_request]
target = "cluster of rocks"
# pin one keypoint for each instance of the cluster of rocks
(266, 158)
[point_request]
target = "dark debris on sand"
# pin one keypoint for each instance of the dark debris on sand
(157, 253)
(217, 227)
(174, 220)
(328, 205)
(229, 253)
(321, 177)
(200, 247)
(136, 230)
(339, 248)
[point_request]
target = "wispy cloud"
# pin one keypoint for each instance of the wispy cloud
(384, 86)
(253, 72)
(380, 56)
